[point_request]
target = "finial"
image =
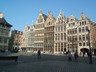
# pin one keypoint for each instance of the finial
(63, 13)
(26, 23)
(40, 10)
(71, 14)
(82, 13)
(32, 22)
(49, 12)
(1, 15)
(60, 11)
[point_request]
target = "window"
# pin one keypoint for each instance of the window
(80, 44)
(86, 36)
(58, 46)
(61, 28)
(75, 30)
(80, 23)
(79, 37)
(58, 29)
(85, 22)
(68, 31)
(75, 38)
(5, 40)
(61, 46)
(49, 23)
(64, 36)
(55, 36)
(64, 49)
(84, 44)
(64, 28)
(83, 36)
(64, 44)
(79, 29)
(83, 29)
(69, 25)
(86, 28)
(61, 36)
(87, 43)
(58, 36)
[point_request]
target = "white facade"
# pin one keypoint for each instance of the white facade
(28, 38)
(60, 44)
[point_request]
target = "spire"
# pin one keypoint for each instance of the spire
(40, 10)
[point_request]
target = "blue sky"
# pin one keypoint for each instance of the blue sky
(18, 12)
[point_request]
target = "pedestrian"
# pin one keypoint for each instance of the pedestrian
(76, 56)
(88, 54)
(39, 54)
(69, 56)
(83, 54)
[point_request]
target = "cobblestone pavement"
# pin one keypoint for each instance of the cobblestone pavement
(48, 63)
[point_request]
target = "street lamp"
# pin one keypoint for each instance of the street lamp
(90, 51)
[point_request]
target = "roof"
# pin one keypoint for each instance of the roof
(4, 22)
(17, 32)
(45, 16)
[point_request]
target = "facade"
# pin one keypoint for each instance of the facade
(72, 33)
(28, 38)
(49, 34)
(15, 40)
(77, 34)
(39, 32)
(4, 33)
(60, 42)
(61, 35)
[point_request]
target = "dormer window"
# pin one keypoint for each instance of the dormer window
(80, 23)
(82, 18)
(49, 23)
(71, 19)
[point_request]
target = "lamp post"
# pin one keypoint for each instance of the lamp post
(90, 50)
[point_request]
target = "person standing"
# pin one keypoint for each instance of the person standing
(39, 54)
(76, 56)
(69, 56)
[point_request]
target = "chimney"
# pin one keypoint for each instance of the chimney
(1, 15)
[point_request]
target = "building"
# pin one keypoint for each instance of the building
(60, 44)
(39, 32)
(72, 33)
(4, 33)
(15, 40)
(28, 38)
(49, 34)
(77, 34)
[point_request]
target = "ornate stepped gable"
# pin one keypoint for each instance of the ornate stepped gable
(41, 18)
(50, 21)
(61, 19)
